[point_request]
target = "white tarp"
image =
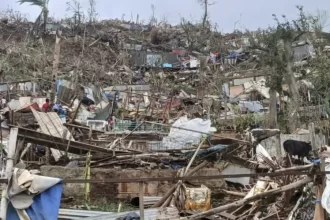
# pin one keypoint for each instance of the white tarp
(253, 106)
(179, 138)
(261, 151)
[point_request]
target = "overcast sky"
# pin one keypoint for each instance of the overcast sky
(246, 14)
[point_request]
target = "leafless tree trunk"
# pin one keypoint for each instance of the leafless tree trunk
(54, 80)
(294, 103)
(204, 3)
(45, 13)
(205, 12)
(92, 11)
(273, 109)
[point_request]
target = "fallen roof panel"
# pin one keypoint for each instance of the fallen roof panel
(57, 142)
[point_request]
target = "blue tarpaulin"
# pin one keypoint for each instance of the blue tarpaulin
(45, 206)
(59, 83)
(167, 65)
(234, 55)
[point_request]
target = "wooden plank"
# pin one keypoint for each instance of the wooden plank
(311, 130)
(57, 143)
(228, 215)
(46, 126)
(82, 127)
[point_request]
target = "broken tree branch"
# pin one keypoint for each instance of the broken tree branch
(232, 193)
(253, 198)
(173, 188)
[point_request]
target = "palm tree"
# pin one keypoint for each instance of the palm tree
(43, 4)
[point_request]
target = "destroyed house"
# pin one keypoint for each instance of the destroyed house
(302, 51)
(155, 59)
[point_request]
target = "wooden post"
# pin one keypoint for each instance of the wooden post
(152, 106)
(138, 107)
(55, 65)
(311, 130)
(54, 80)
(88, 177)
(9, 168)
(75, 113)
(1, 130)
(273, 109)
(141, 203)
(169, 109)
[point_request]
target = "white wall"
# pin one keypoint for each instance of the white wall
(274, 145)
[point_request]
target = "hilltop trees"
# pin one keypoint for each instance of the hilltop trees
(275, 46)
(43, 4)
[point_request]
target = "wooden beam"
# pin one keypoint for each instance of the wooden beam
(311, 130)
(56, 142)
(228, 215)
(82, 127)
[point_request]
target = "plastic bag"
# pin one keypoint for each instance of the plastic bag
(179, 138)
(260, 150)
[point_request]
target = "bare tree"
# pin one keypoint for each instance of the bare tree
(78, 14)
(205, 4)
(43, 4)
(153, 19)
(13, 16)
(277, 53)
(92, 11)
(321, 20)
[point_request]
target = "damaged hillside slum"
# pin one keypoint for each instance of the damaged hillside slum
(120, 120)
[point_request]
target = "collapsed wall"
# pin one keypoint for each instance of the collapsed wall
(122, 190)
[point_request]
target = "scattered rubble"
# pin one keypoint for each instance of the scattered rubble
(124, 114)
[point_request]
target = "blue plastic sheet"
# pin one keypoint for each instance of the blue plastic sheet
(45, 206)
(59, 83)
(234, 55)
(167, 65)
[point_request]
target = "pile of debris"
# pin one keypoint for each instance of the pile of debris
(253, 168)
(129, 101)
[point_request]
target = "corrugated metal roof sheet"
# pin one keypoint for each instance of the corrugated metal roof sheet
(51, 124)
(4, 88)
(149, 214)
(72, 214)
(258, 86)
(23, 102)
(14, 104)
